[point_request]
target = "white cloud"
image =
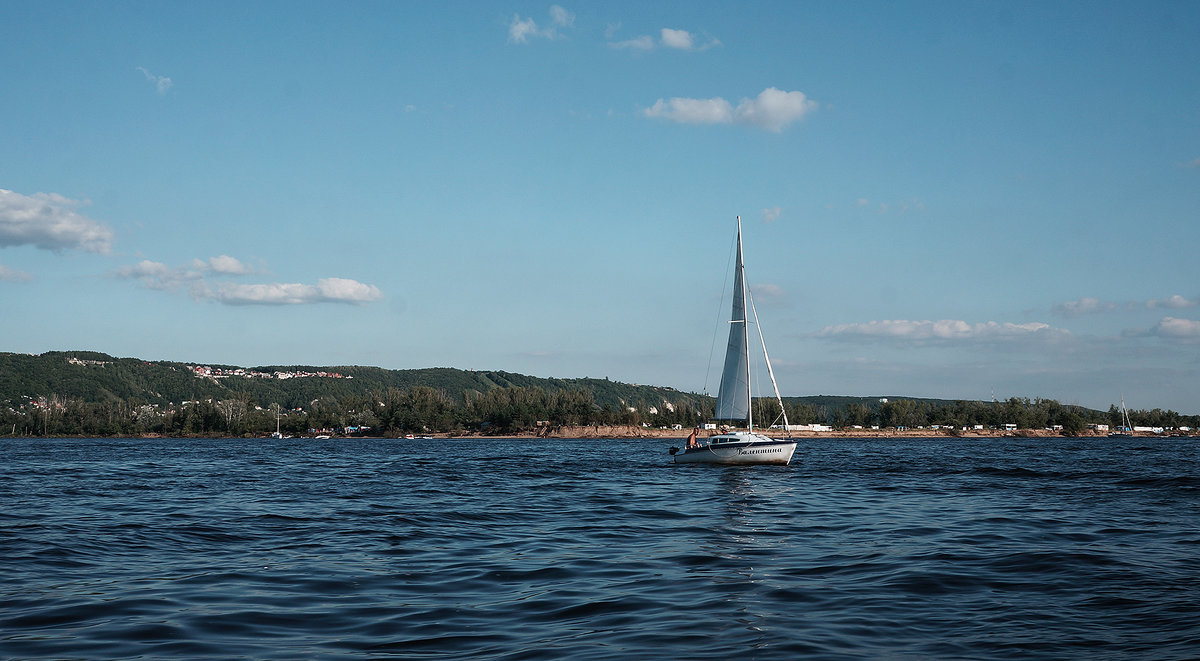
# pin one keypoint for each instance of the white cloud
(520, 30)
(49, 221)
(681, 39)
(1174, 302)
(944, 331)
(773, 109)
(668, 38)
(13, 275)
(195, 280)
(162, 84)
(772, 214)
(327, 290)
(1191, 164)
(693, 111)
(1185, 330)
(223, 264)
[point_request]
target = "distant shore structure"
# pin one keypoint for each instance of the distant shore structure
(205, 372)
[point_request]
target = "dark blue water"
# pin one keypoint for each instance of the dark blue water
(864, 549)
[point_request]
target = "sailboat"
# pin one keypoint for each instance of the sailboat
(734, 397)
(1126, 429)
(277, 433)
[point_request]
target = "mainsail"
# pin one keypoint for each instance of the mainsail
(733, 399)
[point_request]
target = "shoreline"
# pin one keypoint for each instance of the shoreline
(632, 432)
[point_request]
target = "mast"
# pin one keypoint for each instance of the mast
(741, 267)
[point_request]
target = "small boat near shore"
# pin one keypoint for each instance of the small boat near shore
(734, 397)
(1126, 428)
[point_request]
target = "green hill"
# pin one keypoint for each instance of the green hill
(99, 378)
(86, 392)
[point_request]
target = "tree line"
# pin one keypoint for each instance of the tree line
(389, 412)
(516, 409)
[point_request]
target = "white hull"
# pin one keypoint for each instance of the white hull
(741, 448)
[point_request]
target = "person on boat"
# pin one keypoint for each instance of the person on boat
(692, 442)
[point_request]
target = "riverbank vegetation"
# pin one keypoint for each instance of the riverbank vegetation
(91, 394)
(518, 410)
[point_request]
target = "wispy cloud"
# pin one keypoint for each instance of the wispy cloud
(1089, 305)
(521, 30)
(13, 275)
(642, 43)
(200, 281)
(1191, 164)
(50, 221)
(157, 275)
(668, 38)
(162, 84)
(1082, 306)
(766, 291)
(773, 109)
(771, 214)
(946, 331)
(901, 207)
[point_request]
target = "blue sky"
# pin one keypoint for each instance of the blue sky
(940, 199)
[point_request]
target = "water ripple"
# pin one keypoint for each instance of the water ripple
(884, 548)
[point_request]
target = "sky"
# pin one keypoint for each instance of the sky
(961, 200)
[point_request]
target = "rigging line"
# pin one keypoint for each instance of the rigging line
(767, 359)
(717, 327)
